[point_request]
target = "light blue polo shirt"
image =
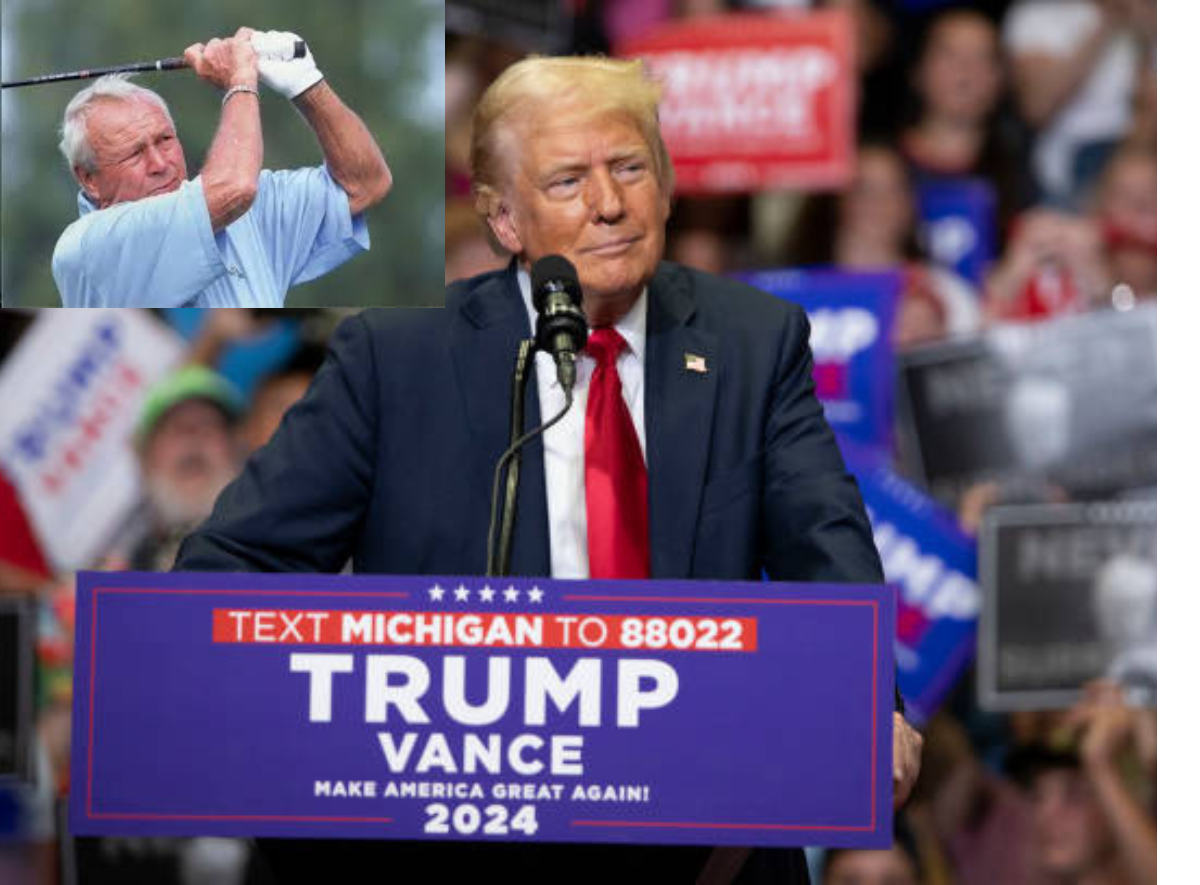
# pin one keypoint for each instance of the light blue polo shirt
(161, 251)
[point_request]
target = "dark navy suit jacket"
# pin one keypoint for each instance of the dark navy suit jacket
(388, 461)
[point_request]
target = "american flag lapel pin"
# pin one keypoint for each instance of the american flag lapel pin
(695, 363)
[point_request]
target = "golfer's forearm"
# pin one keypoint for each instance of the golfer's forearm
(230, 175)
(353, 157)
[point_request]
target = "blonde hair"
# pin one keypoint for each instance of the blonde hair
(601, 85)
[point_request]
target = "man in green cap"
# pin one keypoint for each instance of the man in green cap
(187, 444)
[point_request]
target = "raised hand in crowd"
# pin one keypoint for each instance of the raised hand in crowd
(1054, 264)
(1118, 754)
(223, 327)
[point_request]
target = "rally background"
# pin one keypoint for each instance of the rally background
(971, 820)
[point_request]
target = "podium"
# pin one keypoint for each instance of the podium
(463, 708)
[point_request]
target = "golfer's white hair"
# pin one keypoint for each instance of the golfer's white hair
(74, 144)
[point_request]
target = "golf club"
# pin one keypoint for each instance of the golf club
(162, 64)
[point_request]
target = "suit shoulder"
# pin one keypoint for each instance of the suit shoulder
(459, 292)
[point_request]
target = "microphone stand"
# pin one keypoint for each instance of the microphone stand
(499, 556)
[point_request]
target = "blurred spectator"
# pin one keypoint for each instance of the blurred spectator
(1075, 69)
(1053, 265)
(982, 819)
(278, 391)
(601, 25)
(959, 130)
(872, 226)
(463, 77)
(1143, 132)
(1126, 209)
(880, 64)
(1092, 799)
(221, 328)
(709, 233)
(188, 449)
(469, 249)
(472, 62)
(1058, 263)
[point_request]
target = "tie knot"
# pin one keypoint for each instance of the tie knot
(605, 345)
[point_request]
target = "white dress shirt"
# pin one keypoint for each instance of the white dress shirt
(566, 498)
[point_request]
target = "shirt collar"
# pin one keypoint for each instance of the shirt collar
(632, 326)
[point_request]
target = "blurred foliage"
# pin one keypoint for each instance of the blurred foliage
(384, 58)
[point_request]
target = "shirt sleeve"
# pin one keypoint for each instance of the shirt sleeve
(304, 217)
(156, 252)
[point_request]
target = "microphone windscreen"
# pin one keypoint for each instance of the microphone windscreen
(554, 268)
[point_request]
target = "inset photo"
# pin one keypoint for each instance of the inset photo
(222, 155)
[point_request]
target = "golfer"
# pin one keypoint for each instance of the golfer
(236, 235)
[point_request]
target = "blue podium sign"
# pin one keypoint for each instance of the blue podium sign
(458, 708)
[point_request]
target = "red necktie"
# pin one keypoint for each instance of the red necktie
(614, 472)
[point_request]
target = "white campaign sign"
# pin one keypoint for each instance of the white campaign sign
(72, 391)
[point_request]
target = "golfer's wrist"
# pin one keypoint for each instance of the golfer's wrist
(238, 89)
(244, 77)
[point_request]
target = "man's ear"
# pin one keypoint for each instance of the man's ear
(503, 226)
(87, 181)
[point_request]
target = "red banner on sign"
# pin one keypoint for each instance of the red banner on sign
(755, 102)
(527, 630)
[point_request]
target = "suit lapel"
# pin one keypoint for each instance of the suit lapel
(679, 413)
(484, 345)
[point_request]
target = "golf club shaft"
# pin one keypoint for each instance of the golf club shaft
(162, 64)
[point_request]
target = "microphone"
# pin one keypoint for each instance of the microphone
(561, 325)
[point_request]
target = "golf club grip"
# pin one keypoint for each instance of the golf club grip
(299, 50)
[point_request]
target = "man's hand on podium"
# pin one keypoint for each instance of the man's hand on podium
(906, 759)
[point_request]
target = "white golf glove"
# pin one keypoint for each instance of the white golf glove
(286, 75)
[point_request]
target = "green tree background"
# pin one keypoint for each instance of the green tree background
(385, 58)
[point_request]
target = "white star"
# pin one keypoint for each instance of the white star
(512, 594)
(535, 595)
(462, 594)
(487, 593)
(436, 593)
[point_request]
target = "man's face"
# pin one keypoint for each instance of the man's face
(137, 153)
(1072, 837)
(960, 74)
(187, 459)
(585, 188)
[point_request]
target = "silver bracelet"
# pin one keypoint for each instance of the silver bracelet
(234, 90)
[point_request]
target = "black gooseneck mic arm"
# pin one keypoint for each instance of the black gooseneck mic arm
(498, 557)
(561, 332)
